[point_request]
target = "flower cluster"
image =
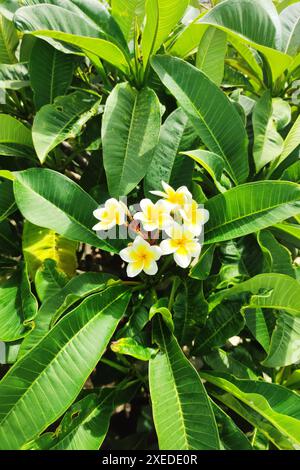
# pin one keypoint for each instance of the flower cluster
(175, 223)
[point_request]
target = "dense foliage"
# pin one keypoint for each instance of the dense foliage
(101, 100)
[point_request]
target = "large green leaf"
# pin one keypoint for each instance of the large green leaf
(18, 307)
(284, 347)
(292, 141)
(257, 24)
(15, 138)
(276, 256)
(276, 404)
(51, 73)
(249, 208)
(14, 76)
(211, 162)
(182, 413)
(130, 131)
(161, 17)
(52, 374)
(172, 137)
(87, 26)
(62, 120)
(86, 423)
(126, 12)
(7, 199)
(54, 307)
(188, 39)
(39, 244)
(268, 143)
(290, 23)
(49, 280)
(288, 232)
(51, 200)
(223, 322)
(274, 291)
(232, 438)
(8, 41)
(211, 54)
(77, 17)
(214, 117)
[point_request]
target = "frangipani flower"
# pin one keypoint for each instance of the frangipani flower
(141, 256)
(177, 198)
(182, 244)
(194, 217)
(113, 213)
(154, 216)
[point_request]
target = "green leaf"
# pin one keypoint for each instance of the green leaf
(212, 114)
(161, 17)
(231, 436)
(8, 41)
(202, 268)
(188, 39)
(51, 73)
(190, 311)
(268, 143)
(132, 348)
(211, 162)
(250, 207)
(223, 322)
(292, 173)
(257, 24)
(40, 244)
(62, 120)
(88, 27)
(14, 76)
(222, 361)
(130, 131)
(68, 212)
(182, 413)
(15, 138)
(7, 200)
(288, 232)
(291, 141)
(18, 307)
(211, 54)
(55, 306)
(85, 425)
(49, 280)
(274, 403)
(125, 12)
(290, 24)
(161, 307)
(277, 257)
(172, 137)
(284, 346)
(274, 291)
(257, 323)
(73, 347)
(282, 114)
(79, 17)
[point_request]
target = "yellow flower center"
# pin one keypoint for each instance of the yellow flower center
(175, 198)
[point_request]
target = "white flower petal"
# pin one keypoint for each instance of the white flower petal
(139, 216)
(182, 260)
(145, 203)
(166, 187)
(140, 241)
(158, 193)
(167, 247)
(150, 227)
(151, 269)
(133, 269)
(98, 212)
(156, 252)
(125, 254)
(104, 225)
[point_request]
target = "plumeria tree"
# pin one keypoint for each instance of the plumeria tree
(149, 224)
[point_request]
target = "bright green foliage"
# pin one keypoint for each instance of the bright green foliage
(108, 99)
